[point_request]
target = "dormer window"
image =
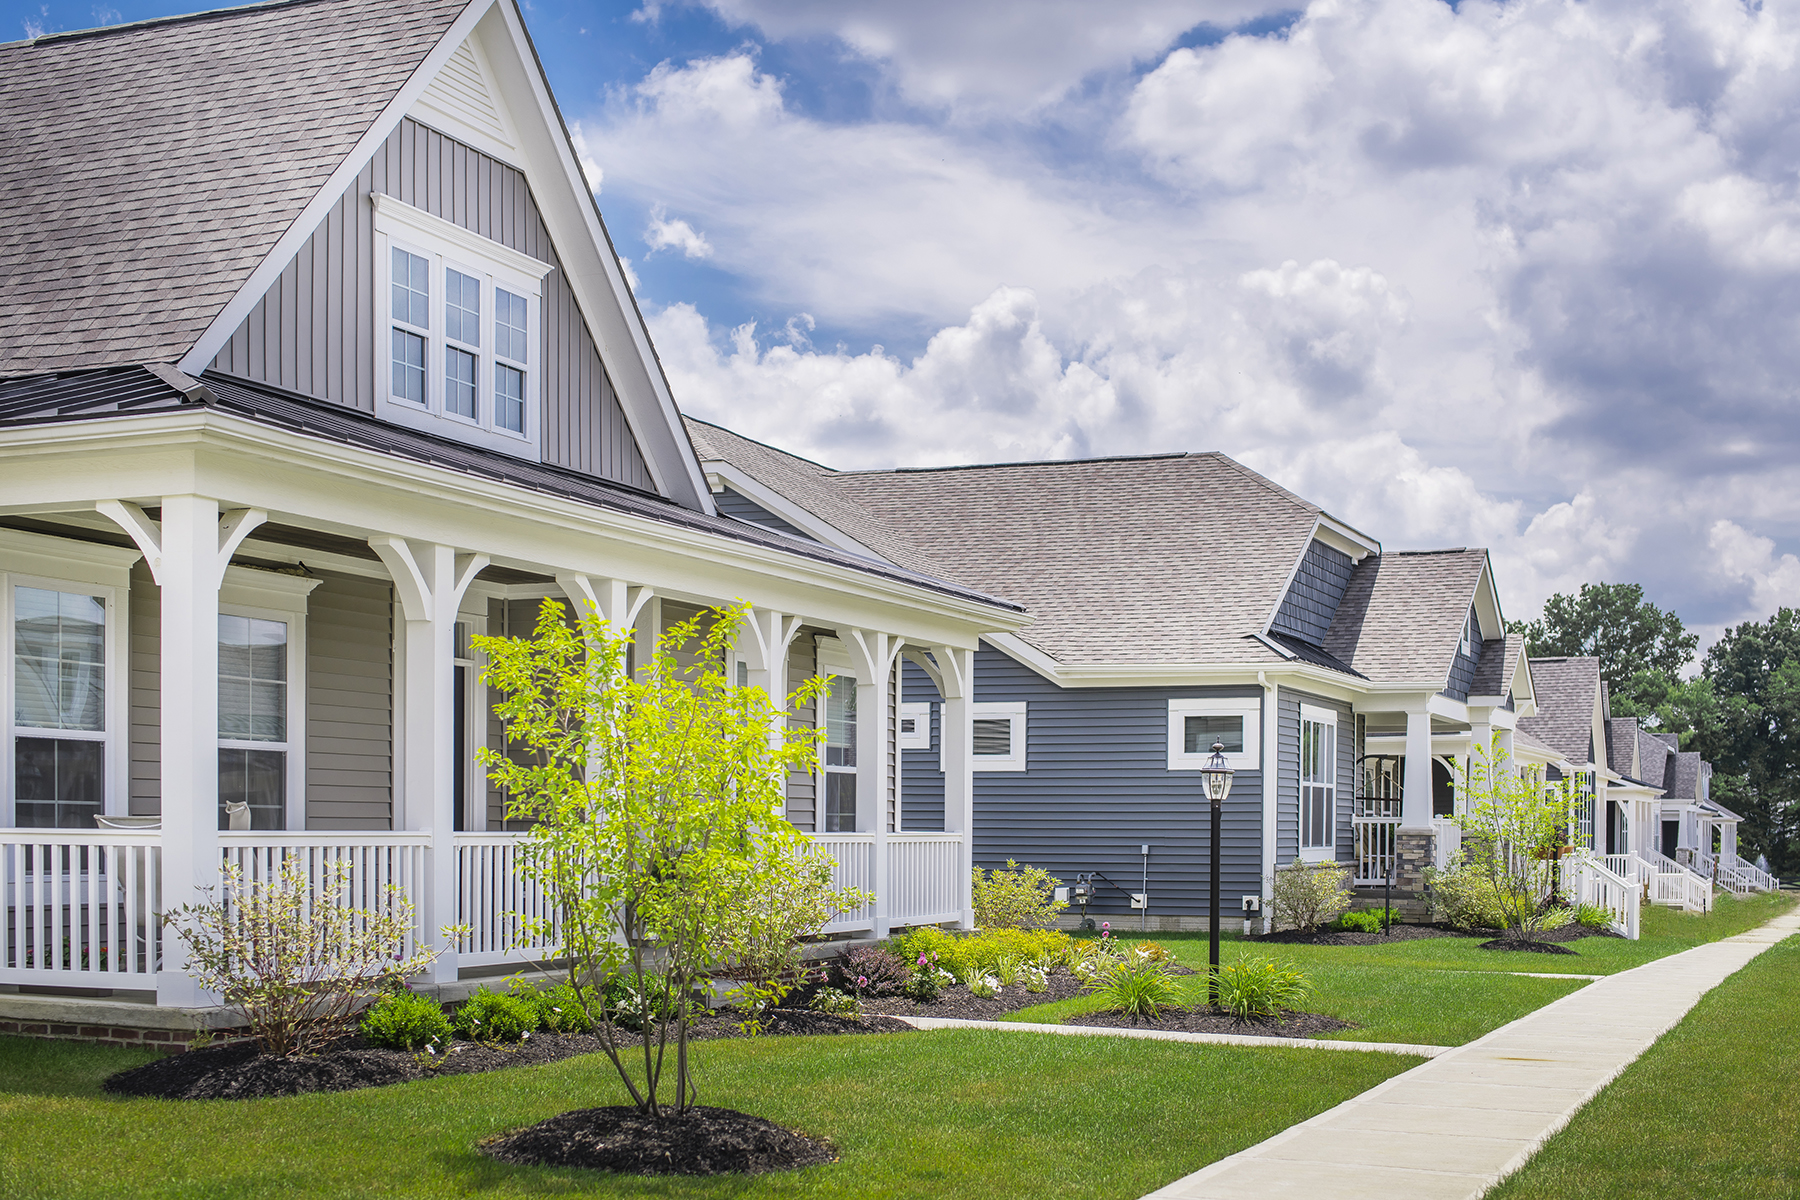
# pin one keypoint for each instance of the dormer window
(460, 323)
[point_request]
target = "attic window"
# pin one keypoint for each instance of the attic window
(460, 324)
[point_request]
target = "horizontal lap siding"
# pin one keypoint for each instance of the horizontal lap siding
(349, 704)
(315, 330)
(146, 693)
(922, 782)
(802, 786)
(1097, 786)
(1287, 707)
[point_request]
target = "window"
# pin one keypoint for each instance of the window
(253, 720)
(998, 737)
(1196, 725)
(915, 726)
(1318, 781)
(1471, 639)
(59, 707)
(460, 323)
(838, 756)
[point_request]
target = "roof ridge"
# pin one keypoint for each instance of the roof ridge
(69, 35)
(1028, 462)
(765, 445)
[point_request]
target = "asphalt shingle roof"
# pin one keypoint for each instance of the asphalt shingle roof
(1402, 616)
(160, 162)
(1686, 784)
(1499, 660)
(1653, 758)
(1621, 746)
(1566, 691)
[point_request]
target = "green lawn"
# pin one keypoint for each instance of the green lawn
(1709, 1111)
(947, 1114)
(1446, 991)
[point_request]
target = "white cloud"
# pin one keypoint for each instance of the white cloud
(667, 233)
(590, 166)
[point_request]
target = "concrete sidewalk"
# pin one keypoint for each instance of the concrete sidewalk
(1455, 1126)
(1173, 1035)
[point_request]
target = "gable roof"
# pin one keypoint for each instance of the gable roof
(1567, 690)
(1689, 767)
(1402, 616)
(1622, 747)
(160, 163)
(1653, 759)
(1499, 663)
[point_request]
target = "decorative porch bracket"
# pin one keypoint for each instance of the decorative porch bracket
(763, 642)
(187, 552)
(430, 580)
(613, 600)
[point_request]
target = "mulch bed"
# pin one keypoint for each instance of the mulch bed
(1205, 1020)
(957, 1001)
(1551, 941)
(239, 1071)
(701, 1141)
(1332, 937)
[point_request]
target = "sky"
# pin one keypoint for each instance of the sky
(1520, 275)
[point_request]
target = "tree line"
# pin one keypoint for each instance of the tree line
(1741, 711)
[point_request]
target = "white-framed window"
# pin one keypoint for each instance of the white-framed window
(61, 639)
(1318, 782)
(458, 318)
(915, 726)
(1196, 725)
(262, 698)
(997, 741)
(837, 757)
(1471, 638)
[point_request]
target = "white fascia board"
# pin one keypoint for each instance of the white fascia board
(1339, 536)
(1487, 601)
(1027, 655)
(805, 520)
(1451, 710)
(289, 473)
(289, 243)
(572, 215)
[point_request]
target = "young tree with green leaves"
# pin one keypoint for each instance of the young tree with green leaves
(655, 799)
(1515, 832)
(1641, 648)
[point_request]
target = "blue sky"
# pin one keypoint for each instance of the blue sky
(1516, 275)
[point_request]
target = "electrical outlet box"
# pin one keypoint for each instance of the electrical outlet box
(1062, 895)
(1137, 899)
(1252, 904)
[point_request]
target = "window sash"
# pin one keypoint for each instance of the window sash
(460, 383)
(1201, 730)
(58, 658)
(1318, 784)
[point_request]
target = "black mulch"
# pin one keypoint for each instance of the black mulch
(1333, 937)
(702, 1141)
(957, 1001)
(1515, 944)
(1205, 1020)
(238, 1071)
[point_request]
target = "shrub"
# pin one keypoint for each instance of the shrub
(835, 1003)
(295, 954)
(766, 927)
(870, 971)
(984, 986)
(1592, 916)
(968, 955)
(630, 1005)
(559, 1009)
(1261, 987)
(495, 1017)
(405, 1021)
(1015, 897)
(1309, 894)
(1465, 896)
(1139, 986)
(925, 983)
(1365, 920)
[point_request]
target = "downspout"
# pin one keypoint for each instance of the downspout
(1271, 797)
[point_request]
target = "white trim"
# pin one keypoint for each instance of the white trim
(1314, 714)
(501, 145)
(749, 487)
(1247, 707)
(1017, 737)
(292, 613)
(66, 559)
(919, 713)
(392, 213)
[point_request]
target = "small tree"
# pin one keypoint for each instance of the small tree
(1515, 833)
(295, 955)
(1015, 897)
(656, 803)
(1307, 895)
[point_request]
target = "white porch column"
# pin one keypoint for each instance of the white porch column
(187, 552)
(955, 679)
(873, 655)
(1415, 808)
(430, 580)
(613, 600)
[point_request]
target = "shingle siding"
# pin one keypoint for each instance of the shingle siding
(1313, 598)
(314, 331)
(1096, 788)
(1462, 672)
(732, 504)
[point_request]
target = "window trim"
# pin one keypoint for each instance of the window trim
(1316, 715)
(1247, 707)
(822, 721)
(920, 713)
(1015, 714)
(273, 596)
(447, 246)
(106, 576)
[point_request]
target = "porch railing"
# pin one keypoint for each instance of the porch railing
(1758, 878)
(852, 866)
(1447, 844)
(924, 878)
(81, 910)
(1723, 872)
(495, 899)
(373, 862)
(1620, 895)
(1374, 823)
(1674, 885)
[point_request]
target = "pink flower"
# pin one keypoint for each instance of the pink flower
(862, 981)
(921, 960)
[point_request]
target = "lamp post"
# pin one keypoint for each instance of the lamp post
(1217, 779)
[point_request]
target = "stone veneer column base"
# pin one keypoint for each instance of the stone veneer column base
(1413, 852)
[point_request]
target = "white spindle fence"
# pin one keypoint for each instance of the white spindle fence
(1758, 878)
(1447, 844)
(1724, 872)
(81, 909)
(852, 866)
(374, 862)
(1374, 822)
(495, 899)
(1596, 883)
(925, 878)
(1674, 885)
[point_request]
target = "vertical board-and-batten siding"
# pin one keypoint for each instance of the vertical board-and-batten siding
(1096, 788)
(314, 331)
(1313, 598)
(1287, 779)
(732, 504)
(349, 701)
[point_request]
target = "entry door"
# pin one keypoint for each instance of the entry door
(1671, 837)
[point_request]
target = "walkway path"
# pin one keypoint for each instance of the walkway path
(1452, 1127)
(1175, 1035)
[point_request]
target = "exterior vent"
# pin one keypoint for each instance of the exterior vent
(459, 100)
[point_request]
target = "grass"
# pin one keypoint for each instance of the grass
(1447, 991)
(948, 1114)
(1709, 1111)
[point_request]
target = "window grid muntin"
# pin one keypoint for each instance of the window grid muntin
(462, 307)
(509, 398)
(512, 326)
(91, 753)
(461, 384)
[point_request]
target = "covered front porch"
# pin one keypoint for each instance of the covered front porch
(229, 643)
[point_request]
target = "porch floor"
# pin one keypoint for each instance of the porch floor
(1452, 1127)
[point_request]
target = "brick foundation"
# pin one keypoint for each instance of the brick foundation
(171, 1041)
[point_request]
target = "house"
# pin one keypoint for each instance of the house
(318, 361)
(1177, 601)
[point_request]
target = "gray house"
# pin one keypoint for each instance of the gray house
(1176, 600)
(317, 360)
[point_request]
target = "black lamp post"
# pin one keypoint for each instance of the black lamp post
(1217, 778)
